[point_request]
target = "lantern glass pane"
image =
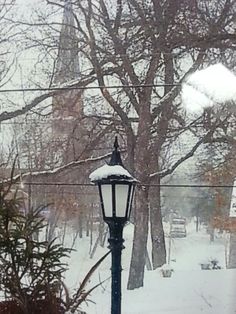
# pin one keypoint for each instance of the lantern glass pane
(121, 199)
(107, 199)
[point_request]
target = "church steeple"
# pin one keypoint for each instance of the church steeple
(68, 103)
(67, 63)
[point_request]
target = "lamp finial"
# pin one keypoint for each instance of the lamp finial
(116, 145)
(115, 157)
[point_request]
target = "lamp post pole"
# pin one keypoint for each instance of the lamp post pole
(116, 190)
(116, 245)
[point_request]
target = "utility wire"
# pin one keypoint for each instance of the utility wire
(138, 184)
(86, 87)
(173, 53)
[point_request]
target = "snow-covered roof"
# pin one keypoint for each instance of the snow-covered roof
(108, 171)
(208, 87)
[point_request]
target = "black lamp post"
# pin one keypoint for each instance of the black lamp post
(116, 190)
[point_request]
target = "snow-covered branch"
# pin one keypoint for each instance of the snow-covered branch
(170, 170)
(7, 115)
(190, 154)
(49, 172)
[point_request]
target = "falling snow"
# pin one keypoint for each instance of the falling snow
(212, 86)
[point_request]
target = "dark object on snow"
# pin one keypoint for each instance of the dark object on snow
(213, 264)
(166, 272)
(205, 266)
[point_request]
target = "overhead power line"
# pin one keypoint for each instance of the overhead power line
(85, 87)
(139, 184)
(150, 54)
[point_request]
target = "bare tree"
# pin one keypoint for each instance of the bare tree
(137, 45)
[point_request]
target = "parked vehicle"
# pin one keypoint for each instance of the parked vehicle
(178, 228)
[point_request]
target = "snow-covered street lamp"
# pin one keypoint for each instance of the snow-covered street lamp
(116, 190)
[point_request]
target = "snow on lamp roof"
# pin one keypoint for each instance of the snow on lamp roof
(107, 171)
(208, 87)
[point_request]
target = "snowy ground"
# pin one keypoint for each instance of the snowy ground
(189, 290)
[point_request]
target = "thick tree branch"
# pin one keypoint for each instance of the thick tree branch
(190, 154)
(46, 173)
(7, 115)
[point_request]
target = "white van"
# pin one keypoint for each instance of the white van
(178, 228)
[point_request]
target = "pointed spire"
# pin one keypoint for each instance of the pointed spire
(67, 64)
(68, 18)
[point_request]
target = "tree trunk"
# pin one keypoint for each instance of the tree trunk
(158, 238)
(141, 213)
(130, 152)
(138, 260)
(232, 251)
(157, 232)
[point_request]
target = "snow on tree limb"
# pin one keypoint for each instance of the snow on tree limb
(190, 154)
(49, 172)
(7, 115)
